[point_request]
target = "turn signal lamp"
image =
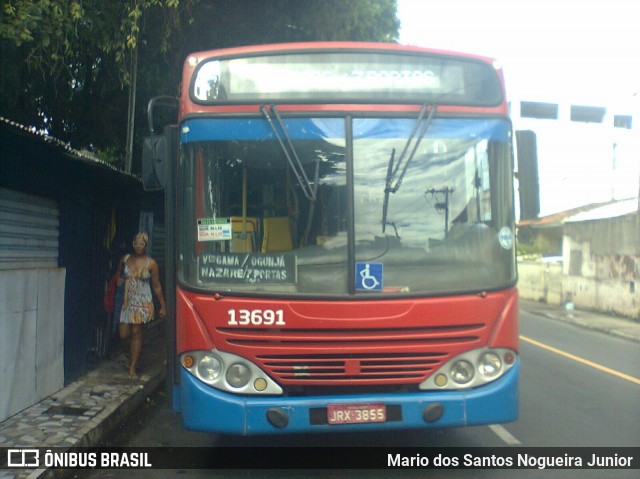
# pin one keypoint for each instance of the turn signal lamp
(509, 357)
(188, 361)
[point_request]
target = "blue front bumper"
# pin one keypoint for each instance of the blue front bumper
(207, 409)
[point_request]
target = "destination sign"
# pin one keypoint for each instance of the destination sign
(247, 268)
(347, 76)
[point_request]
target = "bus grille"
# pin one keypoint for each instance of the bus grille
(355, 356)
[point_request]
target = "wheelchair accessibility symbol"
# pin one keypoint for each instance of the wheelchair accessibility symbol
(368, 276)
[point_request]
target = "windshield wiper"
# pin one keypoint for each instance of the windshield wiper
(420, 127)
(290, 153)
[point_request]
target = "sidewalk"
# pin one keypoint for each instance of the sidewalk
(609, 324)
(85, 412)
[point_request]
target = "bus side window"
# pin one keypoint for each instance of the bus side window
(276, 235)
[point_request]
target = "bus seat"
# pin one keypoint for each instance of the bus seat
(276, 235)
(244, 234)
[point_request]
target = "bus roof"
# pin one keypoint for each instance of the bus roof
(311, 46)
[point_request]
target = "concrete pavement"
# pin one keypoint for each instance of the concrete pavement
(85, 412)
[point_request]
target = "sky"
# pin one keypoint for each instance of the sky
(585, 51)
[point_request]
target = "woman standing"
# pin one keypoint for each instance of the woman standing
(141, 274)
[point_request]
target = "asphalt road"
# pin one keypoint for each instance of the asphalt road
(578, 388)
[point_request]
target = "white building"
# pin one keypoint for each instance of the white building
(586, 152)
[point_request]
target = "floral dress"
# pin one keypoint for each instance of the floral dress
(137, 307)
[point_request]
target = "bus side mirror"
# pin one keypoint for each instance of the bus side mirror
(155, 156)
(159, 154)
(158, 150)
(528, 180)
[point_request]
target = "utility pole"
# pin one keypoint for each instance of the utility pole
(443, 205)
(132, 109)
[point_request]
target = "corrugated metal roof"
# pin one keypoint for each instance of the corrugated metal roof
(557, 219)
(613, 210)
(594, 211)
(83, 156)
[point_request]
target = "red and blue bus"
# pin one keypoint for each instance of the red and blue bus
(340, 237)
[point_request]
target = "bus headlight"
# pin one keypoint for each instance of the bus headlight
(489, 365)
(228, 372)
(209, 368)
(238, 375)
(462, 372)
(471, 369)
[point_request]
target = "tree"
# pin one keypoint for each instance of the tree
(65, 65)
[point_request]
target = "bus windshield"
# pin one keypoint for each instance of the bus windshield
(253, 221)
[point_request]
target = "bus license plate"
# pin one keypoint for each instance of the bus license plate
(356, 413)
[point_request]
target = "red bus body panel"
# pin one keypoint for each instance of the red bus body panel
(398, 341)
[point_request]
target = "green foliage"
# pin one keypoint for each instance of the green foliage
(39, 22)
(51, 33)
(523, 249)
(65, 65)
(112, 155)
(536, 246)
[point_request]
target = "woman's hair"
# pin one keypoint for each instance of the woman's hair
(142, 236)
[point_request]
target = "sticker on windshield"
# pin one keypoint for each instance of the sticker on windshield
(214, 229)
(505, 237)
(368, 276)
